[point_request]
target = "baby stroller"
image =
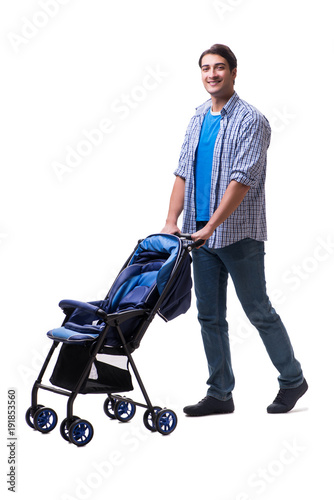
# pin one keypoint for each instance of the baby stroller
(98, 338)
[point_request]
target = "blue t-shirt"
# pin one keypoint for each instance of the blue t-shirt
(203, 167)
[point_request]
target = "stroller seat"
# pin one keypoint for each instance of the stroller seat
(138, 286)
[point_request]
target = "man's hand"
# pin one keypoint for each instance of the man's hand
(203, 234)
(170, 229)
(232, 198)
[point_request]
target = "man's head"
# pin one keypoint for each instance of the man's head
(222, 51)
(219, 69)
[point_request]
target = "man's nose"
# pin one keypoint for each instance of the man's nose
(212, 73)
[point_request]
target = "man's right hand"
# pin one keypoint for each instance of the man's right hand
(170, 229)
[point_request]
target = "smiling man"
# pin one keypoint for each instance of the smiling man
(219, 187)
(218, 79)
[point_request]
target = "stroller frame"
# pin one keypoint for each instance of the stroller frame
(79, 431)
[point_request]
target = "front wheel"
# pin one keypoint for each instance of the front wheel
(65, 425)
(149, 419)
(124, 410)
(166, 421)
(80, 432)
(30, 415)
(109, 407)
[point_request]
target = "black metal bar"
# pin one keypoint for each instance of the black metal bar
(54, 389)
(38, 381)
(47, 360)
(188, 237)
(120, 317)
(135, 371)
(124, 398)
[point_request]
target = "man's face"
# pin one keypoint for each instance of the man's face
(216, 75)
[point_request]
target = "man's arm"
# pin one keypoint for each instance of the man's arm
(175, 207)
(232, 198)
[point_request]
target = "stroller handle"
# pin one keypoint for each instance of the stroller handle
(187, 236)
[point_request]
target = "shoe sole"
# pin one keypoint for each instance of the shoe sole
(208, 414)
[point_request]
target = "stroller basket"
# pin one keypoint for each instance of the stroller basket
(98, 338)
(104, 376)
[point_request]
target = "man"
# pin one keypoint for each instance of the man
(220, 187)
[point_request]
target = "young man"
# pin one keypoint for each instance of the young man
(220, 187)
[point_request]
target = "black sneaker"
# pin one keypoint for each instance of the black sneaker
(209, 406)
(287, 398)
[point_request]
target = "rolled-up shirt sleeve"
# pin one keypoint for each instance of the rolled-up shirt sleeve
(250, 154)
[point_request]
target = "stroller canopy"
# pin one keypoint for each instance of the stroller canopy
(148, 271)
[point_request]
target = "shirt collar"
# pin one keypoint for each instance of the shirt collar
(227, 109)
(230, 105)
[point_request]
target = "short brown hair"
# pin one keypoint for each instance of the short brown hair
(222, 51)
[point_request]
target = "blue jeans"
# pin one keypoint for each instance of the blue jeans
(244, 262)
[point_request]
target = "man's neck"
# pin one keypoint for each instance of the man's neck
(219, 102)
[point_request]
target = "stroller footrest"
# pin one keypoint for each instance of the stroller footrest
(68, 336)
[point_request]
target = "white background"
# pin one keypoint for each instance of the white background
(68, 66)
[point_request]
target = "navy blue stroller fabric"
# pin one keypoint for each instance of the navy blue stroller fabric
(138, 286)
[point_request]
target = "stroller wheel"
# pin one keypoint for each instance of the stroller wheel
(30, 415)
(149, 421)
(109, 408)
(65, 425)
(166, 421)
(80, 432)
(45, 420)
(124, 410)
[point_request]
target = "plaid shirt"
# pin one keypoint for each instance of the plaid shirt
(240, 154)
